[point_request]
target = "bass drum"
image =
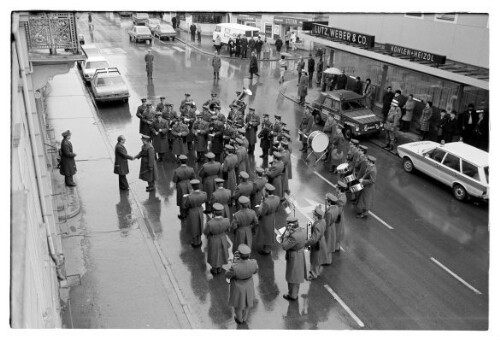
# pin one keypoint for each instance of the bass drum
(318, 141)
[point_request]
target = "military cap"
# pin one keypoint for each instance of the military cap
(144, 137)
(210, 155)
(266, 114)
(183, 157)
(148, 104)
(363, 147)
(319, 211)
(144, 100)
(243, 200)
(277, 154)
(331, 197)
(187, 94)
(233, 105)
(292, 219)
(213, 94)
(251, 109)
(277, 117)
(342, 184)
(162, 97)
(243, 249)
(158, 113)
(371, 159)
(198, 113)
(355, 141)
(259, 170)
(219, 180)
(217, 207)
(269, 187)
(194, 181)
(244, 174)
(66, 133)
(229, 147)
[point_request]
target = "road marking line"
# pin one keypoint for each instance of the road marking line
(342, 303)
(324, 179)
(455, 276)
(381, 220)
(178, 48)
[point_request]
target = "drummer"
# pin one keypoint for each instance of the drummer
(364, 202)
(305, 126)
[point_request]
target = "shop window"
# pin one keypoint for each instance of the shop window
(446, 17)
(207, 18)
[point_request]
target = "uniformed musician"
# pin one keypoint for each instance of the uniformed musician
(208, 173)
(265, 137)
(182, 175)
(146, 120)
(365, 199)
(140, 110)
(339, 223)
(287, 166)
(293, 242)
(223, 196)
(252, 122)
(242, 154)
(200, 131)
(275, 172)
(216, 230)
(171, 117)
(159, 131)
(193, 203)
(244, 220)
(245, 188)
(229, 168)
(259, 182)
(217, 145)
(266, 211)
(317, 243)
(187, 101)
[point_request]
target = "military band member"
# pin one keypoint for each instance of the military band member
(266, 211)
(161, 105)
(146, 119)
(193, 203)
(179, 132)
(233, 109)
(331, 215)
(208, 173)
(277, 128)
(287, 166)
(244, 220)
(242, 155)
(330, 129)
(147, 171)
(217, 145)
(212, 101)
(306, 126)
(223, 196)
(219, 115)
(216, 230)
(317, 243)
(189, 117)
(365, 198)
(229, 169)
(229, 132)
(140, 110)
(200, 131)
(252, 122)
(159, 130)
(182, 175)
(206, 114)
(245, 188)
(360, 165)
(239, 118)
(293, 242)
(339, 223)
(258, 187)
(171, 117)
(241, 288)
(275, 172)
(244, 141)
(265, 137)
(187, 101)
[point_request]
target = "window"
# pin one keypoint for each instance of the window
(415, 15)
(470, 170)
(227, 31)
(437, 155)
(268, 28)
(207, 18)
(346, 106)
(217, 28)
(108, 81)
(446, 17)
(248, 33)
(452, 162)
(355, 104)
(328, 103)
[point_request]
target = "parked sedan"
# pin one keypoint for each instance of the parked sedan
(460, 166)
(108, 85)
(140, 33)
(91, 64)
(140, 18)
(164, 31)
(153, 22)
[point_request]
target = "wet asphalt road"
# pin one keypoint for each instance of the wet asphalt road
(386, 276)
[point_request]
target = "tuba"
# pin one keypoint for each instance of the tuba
(239, 99)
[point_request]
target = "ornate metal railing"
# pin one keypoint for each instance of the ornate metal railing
(52, 30)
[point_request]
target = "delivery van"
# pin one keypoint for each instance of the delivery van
(228, 31)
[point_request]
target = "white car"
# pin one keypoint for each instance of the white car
(108, 85)
(153, 22)
(91, 64)
(460, 166)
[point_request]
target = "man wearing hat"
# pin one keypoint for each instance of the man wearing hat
(212, 101)
(67, 165)
(161, 105)
(331, 215)
(159, 130)
(391, 125)
(170, 116)
(242, 155)
(121, 163)
(179, 132)
(216, 128)
(229, 168)
(305, 126)
(229, 132)
(277, 127)
(386, 101)
(252, 122)
(147, 172)
(317, 243)
(189, 117)
(141, 108)
(243, 221)
(365, 198)
(339, 223)
(254, 66)
(148, 58)
(223, 196)
(330, 129)
(200, 131)
(146, 119)
(342, 81)
(206, 115)
(287, 166)
(302, 91)
(193, 203)
(275, 172)
(241, 286)
(266, 211)
(245, 188)
(265, 137)
(360, 165)
(182, 177)
(293, 242)
(186, 101)
(208, 173)
(241, 133)
(233, 109)
(218, 245)
(354, 153)
(259, 182)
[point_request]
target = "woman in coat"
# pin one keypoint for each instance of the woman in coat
(217, 247)
(408, 116)
(68, 164)
(425, 120)
(317, 244)
(216, 64)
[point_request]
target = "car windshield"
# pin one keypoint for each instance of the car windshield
(96, 64)
(355, 104)
(142, 15)
(142, 30)
(109, 81)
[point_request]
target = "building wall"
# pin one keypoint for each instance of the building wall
(466, 40)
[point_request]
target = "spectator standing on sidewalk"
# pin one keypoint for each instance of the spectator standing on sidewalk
(319, 71)
(468, 122)
(480, 134)
(254, 66)
(358, 86)
(174, 22)
(310, 68)
(409, 106)
(258, 46)
(244, 47)
(147, 171)
(293, 40)
(386, 101)
(300, 66)
(303, 88)
(198, 33)
(451, 131)
(369, 94)
(425, 119)
(217, 44)
(266, 49)
(342, 81)
(192, 30)
(67, 164)
(443, 121)
(121, 163)
(283, 67)
(237, 45)
(278, 43)
(149, 63)
(231, 47)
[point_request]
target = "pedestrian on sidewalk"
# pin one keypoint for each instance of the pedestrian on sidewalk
(310, 68)
(254, 66)
(278, 43)
(443, 121)
(174, 22)
(303, 88)
(67, 164)
(266, 208)
(425, 120)
(293, 242)
(358, 86)
(159, 130)
(283, 67)
(192, 30)
(408, 116)
(147, 171)
(342, 81)
(217, 44)
(241, 286)
(149, 63)
(193, 203)
(121, 163)
(216, 64)
(198, 33)
(386, 102)
(244, 46)
(293, 40)
(266, 49)
(319, 71)
(300, 66)
(218, 245)
(369, 94)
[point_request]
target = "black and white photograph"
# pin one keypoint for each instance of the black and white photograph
(209, 166)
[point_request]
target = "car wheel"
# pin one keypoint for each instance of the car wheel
(459, 192)
(348, 133)
(407, 164)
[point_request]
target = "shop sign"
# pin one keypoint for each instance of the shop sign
(268, 30)
(245, 17)
(288, 21)
(416, 54)
(333, 33)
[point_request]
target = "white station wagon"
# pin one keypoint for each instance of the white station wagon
(460, 166)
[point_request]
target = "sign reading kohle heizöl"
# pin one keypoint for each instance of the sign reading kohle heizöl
(333, 33)
(416, 54)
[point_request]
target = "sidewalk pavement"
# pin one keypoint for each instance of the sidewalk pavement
(117, 278)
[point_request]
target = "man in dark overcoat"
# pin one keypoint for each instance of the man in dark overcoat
(244, 220)
(159, 130)
(317, 244)
(147, 172)
(182, 175)
(287, 167)
(242, 155)
(68, 164)
(223, 196)
(208, 173)
(121, 163)
(245, 188)
(386, 101)
(161, 105)
(252, 121)
(331, 215)
(365, 199)
(229, 168)
(302, 91)
(148, 58)
(254, 66)
(244, 46)
(266, 211)
(216, 230)
(200, 131)
(259, 182)
(265, 137)
(217, 130)
(170, 116)
(241, 287)
(192, 30)
(146, 116)
(179, 132)
(293, 242)
(193, 203)
(275, 172)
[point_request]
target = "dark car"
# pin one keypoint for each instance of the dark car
(349, 111)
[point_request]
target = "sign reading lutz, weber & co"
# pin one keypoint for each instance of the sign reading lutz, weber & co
(333, 33)
(416, 54)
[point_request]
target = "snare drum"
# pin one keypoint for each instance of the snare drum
(349, 179)
(343, 168)
(356, 187)
(318, 141)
